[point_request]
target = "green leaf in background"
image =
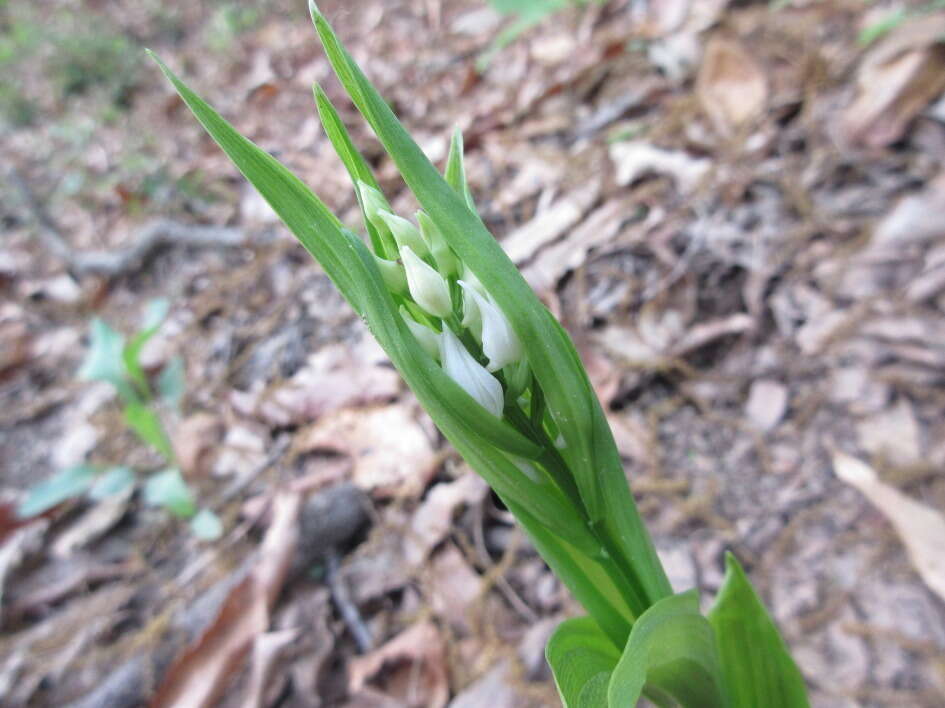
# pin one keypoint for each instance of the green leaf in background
(145, 422)
(582, 659)
(757, 665)
(172, 381)
(112, 481)
(206, 525)
(169, 490)
(153, 318)
(671, 656)
(104, 361)
(64, 484)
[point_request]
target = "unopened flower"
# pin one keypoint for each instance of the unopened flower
(499, 341)
(374, 203)
(393, 274)
(429, 340)
(446, 261)
(460, 366)
(427, 287)
(405, 233)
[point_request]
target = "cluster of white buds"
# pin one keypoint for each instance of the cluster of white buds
(427, 273)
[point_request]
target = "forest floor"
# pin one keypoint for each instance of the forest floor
(736, 209)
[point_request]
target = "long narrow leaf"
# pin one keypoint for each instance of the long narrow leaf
(757, 664)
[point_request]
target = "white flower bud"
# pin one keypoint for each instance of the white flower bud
(469, 374)
(499, 342)
(393, 274)
(428, 339)
(427, 287)
(446, 261)
(471, 279)
(374, 203)
(405, 233)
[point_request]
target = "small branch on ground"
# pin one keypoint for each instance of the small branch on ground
(347, 609)
(157, 233)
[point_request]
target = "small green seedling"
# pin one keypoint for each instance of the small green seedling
(503, 381)
(113, 360)
(525, 14)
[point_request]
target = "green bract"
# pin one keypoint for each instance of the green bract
(503, 382)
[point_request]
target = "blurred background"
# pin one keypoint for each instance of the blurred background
(736, 208)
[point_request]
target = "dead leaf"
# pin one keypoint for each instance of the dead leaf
(199, 674)
(93, 523)
(920, 527)
(20, 542)
(267, 648)
(433, 520)
(731, 86)
(597, 229)
(636, 158)
(454, 587)
(892, 435)
(495, 689)
(335, 377)
(194, 439)
(915, 220)
(391, 452)
(767, 402)
(896, 80)
(410, 668)
(551, 223)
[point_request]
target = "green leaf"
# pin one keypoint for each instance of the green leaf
(455, 172)
(757, 664)
(112, 481)
(206, 525)
(64, 484)
(153, 318)
(104, 361)
(172, 382)
(146, 423)
(671, 656)
(581, 658)
(358, 169)
(589, 449)
(169, 490)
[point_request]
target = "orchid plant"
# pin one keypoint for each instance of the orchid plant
(503, 382)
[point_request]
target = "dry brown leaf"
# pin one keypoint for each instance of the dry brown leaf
(199, 674)
(596, 230)
(454, 587)
(915, 219)
(93, 523)
(495, 689)
(194, 439)
(636, 158)
(392, 453)
(551, 223)
(921, 528)
(767, 402)
(892, 435)
(433, 520)
(410, 668)
(898, 77)
(267, 649)
(335, 377)
(731, 86)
